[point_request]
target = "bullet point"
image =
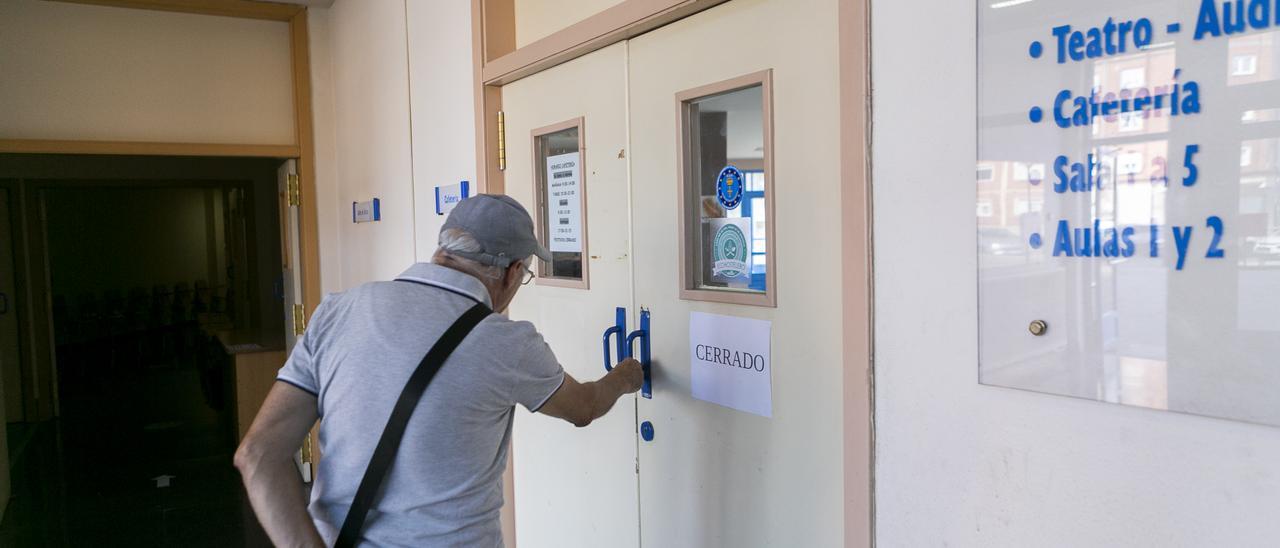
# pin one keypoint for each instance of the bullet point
(1035, 241)
(1036, 115)
(1036, 50)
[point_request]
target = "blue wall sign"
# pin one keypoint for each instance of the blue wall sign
(366, 212)
(448, 196)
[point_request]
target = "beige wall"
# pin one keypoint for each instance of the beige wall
(81, 72)
(394, 119)
(370, 119)
(962, 464)
(443, 106)
(536, 19)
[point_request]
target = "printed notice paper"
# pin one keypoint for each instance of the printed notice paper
(564, 203)
(730, 362)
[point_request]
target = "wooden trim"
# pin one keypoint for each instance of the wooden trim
(309, 225)
(477, 64)
(226, 8)
(308, 216)
(623, 21)
(689, 212)
(857, 309)
(145, 148)
(488, 99)
(541, 199)
(497, 62)
(500, 28)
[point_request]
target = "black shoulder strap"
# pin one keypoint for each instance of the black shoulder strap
(385, 452)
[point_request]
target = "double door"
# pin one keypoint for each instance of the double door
(641, 130)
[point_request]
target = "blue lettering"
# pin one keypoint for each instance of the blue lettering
(1110, 39)
(1207, 21)
(1233, 23)
(1062, 240)
(1061, 34)
(1058, 115)
(1060, 186)
(1215, 223)
(1181, 241)
(1259, 13)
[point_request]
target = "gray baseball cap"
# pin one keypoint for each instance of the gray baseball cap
(502, 227)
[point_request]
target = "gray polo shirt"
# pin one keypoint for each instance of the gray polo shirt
(445, 487)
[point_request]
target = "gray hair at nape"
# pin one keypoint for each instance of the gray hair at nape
(456, 240)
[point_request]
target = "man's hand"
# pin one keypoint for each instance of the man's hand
(630, 373)
(581, 403)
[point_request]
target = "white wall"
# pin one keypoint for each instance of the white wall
(961, 464)
(443, 101)
(537, 19)
(369, 123)
(81, 72)
(328, 212)
(394, 112)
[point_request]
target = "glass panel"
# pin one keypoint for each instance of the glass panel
(727, 190)
(1128, 208)
(559, 172)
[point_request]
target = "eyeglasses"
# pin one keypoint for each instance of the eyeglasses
(528, 275)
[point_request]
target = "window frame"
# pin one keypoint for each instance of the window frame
(540, 197)
(690, 204)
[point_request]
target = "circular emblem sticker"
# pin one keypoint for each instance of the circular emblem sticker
(729, 187)
(729, 252)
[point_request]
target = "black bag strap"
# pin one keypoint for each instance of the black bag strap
(389, 443)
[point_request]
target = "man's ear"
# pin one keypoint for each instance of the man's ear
(515, 272)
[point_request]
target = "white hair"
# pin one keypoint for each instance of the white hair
(456, 240)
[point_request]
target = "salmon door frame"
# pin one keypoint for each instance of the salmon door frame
(497, 61)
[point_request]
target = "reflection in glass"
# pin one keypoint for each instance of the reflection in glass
(1132, 329)
(727, 167)
(556, 210)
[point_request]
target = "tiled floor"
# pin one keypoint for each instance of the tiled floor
(87, 479)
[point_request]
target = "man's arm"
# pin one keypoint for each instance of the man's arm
(265, 460)
(581, 403)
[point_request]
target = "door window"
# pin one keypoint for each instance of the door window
(561, 185)
(727, 192)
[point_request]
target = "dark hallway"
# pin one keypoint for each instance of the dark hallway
(162, 275)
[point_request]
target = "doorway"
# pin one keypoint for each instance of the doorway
(708, 181)
(142, 272)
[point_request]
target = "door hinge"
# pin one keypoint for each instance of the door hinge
(502, 141)
(295, 194)
(299, 320)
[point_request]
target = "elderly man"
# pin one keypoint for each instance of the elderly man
(440, 483)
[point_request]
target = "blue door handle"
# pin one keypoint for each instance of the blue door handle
(619, 328)
(646, 390)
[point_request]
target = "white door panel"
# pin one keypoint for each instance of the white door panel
(713, 476)
(577, 487)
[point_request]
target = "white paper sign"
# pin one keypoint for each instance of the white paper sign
(730, 362)
(564, 203)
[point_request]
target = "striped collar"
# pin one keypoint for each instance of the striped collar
(447, 279)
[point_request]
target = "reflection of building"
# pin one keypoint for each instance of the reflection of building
(1149, 72)
(1260, 202)
(1253, 58)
